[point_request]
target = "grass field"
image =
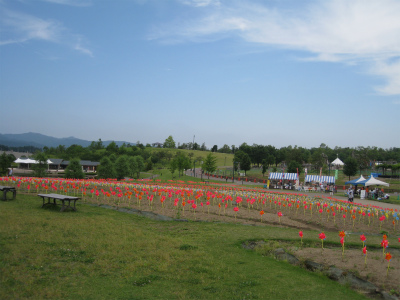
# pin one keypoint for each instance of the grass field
(97, 253)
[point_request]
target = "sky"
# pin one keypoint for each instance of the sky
(271, 72)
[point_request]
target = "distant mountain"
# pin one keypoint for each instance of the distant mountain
(41, 140)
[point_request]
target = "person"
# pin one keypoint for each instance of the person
(350, 194)
(10, 172)
(331, 190)
(372, 194)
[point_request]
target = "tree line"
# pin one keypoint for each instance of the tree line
(294, 158)
(130, 160)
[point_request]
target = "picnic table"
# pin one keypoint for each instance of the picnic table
(63, 198)
(6, 189)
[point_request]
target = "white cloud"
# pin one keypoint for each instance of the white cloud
(349, 31)
(19, 28)
(23, 27)
(391, 72)
(79, 47)
(342, 29)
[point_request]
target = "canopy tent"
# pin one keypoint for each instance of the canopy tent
(24, 161)
(373, 181)
(355, 181)
(29, 161)
(283, 176)
(337, 162)
(317, 178)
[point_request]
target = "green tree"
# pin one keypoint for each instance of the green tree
(361, 155)
(280, 155)
(97, 155)
(113, 157)
(5, 163)
(264, 166)
(317, 159)
(209, 164)
(350, 167)
(294, 167)
(258, 153)
(39, 169)
(96, 145)
(182, 162)
(243, 159)
(172, 167)
(74, 169)
(225, 149)
(133, 166)
(140, 165)
(123, 150)
(76, 151)
(106, 169)
(195, 146)
(112, 148)
(294, 154)
(140, 145)
(245, 164)
(149, 164)
(169, 142)
(122, 167)
(60, 151)
(383, 167)
(270, 160)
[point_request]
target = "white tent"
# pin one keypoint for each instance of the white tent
(29, 161)
(23, 161)
(373, 181)
(337, 162)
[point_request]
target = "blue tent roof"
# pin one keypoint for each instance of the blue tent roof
(356, 181)
(317, 178)
(283, 176)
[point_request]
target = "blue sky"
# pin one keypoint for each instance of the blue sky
(273, 72)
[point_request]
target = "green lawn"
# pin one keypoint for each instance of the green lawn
(223, 159)
(96, 253)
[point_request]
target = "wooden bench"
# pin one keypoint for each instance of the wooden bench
(5, 190)
(62, 198)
